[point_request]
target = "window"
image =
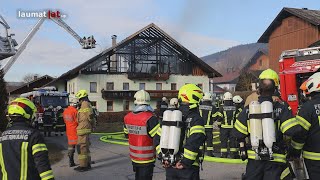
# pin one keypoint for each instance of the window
(142, 86)
(159, 86)
(200, 86)
(73, 88)
(69, 88)
(125, 86)
(110, 86)
(260, 62)
(126, 105)
(109, 105)
(173, 86)
(93, 87)
(94, 103)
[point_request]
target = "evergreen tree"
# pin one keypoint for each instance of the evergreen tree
(3, 102)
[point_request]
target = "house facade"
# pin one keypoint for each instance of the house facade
(291, 29)
(149, 59)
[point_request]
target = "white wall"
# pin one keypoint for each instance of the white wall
(83, 82)
(228, 87)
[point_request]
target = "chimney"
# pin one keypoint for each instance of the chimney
(114, 40)
(35, 77)
(113, 64)
(305, 8)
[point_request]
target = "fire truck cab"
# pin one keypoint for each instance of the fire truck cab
(296, 66)
(45, 97)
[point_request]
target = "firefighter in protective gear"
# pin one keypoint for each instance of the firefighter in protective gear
(85, 125)
(142, 127)
(23, 152)
(305, 93)
(309, 139)
(70, 119)
(174, 104)
(238, 102)
(163, 107)
(48, 118)
(285, 124)
(208, 112)
(60, 125)
(225, 115)
(192, 136)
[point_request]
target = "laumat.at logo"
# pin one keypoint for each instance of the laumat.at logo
(40, 14)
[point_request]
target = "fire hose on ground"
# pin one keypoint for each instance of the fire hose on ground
(119, 139)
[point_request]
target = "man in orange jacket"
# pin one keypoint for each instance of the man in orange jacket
(70, 119)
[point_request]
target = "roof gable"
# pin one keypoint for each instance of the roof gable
(311, 16)
(154, 34)
(26, 87)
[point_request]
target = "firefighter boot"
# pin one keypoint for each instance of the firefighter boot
(224, 155)
(81, 169)
(210, 153)
(71, 161)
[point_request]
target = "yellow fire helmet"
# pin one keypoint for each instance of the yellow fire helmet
(270, 74)
(81, 94)
(190, 93)
(22, 107)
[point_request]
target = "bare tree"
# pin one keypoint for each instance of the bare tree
(30, 77)
(245, 80)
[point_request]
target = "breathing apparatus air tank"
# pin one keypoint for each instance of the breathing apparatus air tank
(175, 132)
(165, 132)
(255, 126)
(269, 133)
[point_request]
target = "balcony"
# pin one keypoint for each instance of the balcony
(154, 94)
(148, 76)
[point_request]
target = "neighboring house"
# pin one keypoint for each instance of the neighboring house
(254, 65)
(149, 59)
(291, 29)
(13, 85)
(27, 87)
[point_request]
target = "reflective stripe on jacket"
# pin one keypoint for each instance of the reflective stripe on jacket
(140, 143)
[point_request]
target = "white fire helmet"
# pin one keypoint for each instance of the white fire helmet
(313, 83)
(227, 96)
(237, 99)
(142, 97)
(174, 101)
(207, 97)
(73, 102)
(164, 99)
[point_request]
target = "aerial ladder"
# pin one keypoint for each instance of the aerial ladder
(7, 44)
(86, 43)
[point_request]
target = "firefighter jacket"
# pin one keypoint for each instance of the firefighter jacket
(70, 119)
(48, 117)
(284, 121)
(85, 118)
(239, 108)
(60, 121)
(163, 107)
(23, 153)
(309, 138)
(226, 114)
(191, 138)
(207, 112)
(142, 127)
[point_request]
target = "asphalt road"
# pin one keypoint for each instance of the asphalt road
(113, 162)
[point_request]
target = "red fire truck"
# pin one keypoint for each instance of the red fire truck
(295, 67)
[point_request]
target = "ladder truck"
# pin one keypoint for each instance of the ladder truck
(8, 45)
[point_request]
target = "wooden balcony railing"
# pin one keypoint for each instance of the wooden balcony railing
(156, 94)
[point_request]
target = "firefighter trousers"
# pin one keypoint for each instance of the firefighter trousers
(72, 149)
(84, 156)
(183, 174)
(313, 168)
(209, 139)
(225, 136)
(263, 170)
(143, 171)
